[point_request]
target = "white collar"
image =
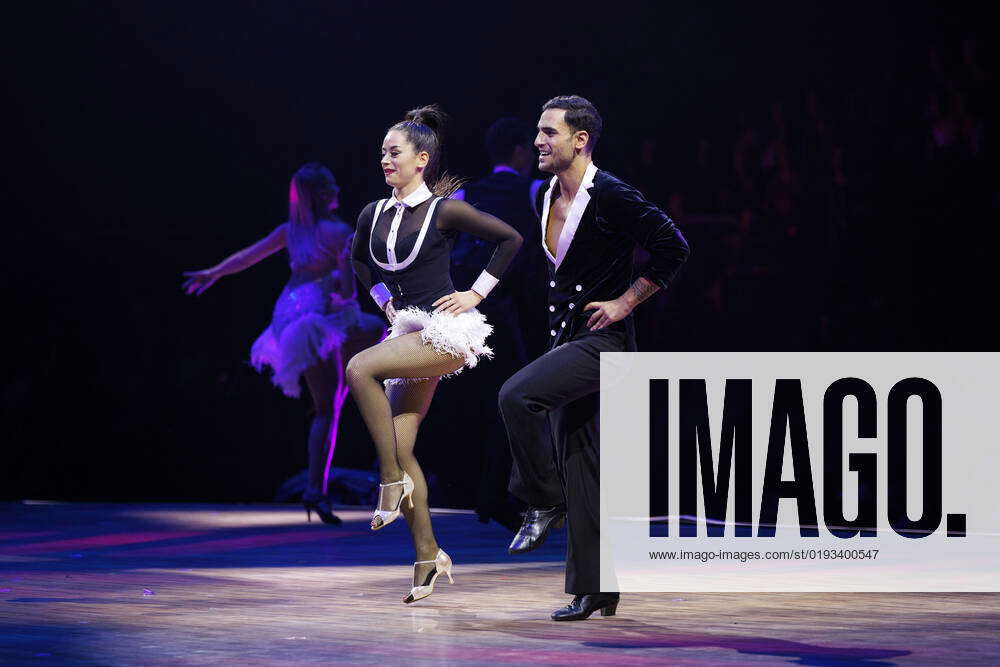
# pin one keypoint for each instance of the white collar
(585, 184)
(573, 216)
(415, 198)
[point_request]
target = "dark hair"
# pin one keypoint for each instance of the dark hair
(504, 136)
(580, 115)
(424, 128)
(312, 189)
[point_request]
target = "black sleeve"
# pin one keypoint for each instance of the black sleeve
(459, 216)
(359, 249)
(627, 211)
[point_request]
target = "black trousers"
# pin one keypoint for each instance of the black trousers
(551, 410)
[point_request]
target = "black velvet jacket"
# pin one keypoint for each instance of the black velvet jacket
(598, 263)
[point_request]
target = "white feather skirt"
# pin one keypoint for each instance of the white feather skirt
(463, 335)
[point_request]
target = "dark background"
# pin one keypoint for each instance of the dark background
(834, 168)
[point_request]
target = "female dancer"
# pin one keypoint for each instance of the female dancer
(436, 331)
(317, 325)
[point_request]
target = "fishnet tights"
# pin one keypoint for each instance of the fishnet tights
(393, 418)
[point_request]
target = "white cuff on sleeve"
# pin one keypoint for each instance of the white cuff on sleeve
(381, 294)
(484, 283)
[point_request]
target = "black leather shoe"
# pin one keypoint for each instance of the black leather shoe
(583, 606)
(538, 521)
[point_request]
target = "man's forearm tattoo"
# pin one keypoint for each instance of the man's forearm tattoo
(642, 289)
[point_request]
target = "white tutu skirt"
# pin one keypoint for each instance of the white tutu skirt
(308, 326)
(463, 335)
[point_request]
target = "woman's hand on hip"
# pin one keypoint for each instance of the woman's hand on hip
(390, 311)
(457, 302)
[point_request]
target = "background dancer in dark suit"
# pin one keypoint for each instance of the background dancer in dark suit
(591, 222)
(508, 193)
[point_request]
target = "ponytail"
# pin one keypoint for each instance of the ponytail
(424, 128)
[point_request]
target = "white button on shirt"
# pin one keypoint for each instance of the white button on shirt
(552, 283)
(552, 333)
(552, 309)
(572, 305)
(579, 288)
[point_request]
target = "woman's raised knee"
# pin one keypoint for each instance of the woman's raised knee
(357, 370)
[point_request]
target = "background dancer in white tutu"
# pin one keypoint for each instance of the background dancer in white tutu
(317, 325)
(436, 331)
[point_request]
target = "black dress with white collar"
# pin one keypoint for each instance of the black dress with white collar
(408, 244)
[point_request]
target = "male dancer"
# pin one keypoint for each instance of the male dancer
(591, 222)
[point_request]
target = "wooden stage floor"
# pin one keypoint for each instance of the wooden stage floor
(255, 585)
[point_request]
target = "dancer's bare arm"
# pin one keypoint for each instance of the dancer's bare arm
(199, 281)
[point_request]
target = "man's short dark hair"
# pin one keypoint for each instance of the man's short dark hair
(504, 136)
(580, 115)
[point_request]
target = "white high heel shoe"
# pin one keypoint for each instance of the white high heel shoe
(385, 517)
(442, 563)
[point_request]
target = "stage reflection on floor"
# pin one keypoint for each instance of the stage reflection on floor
(201, 584)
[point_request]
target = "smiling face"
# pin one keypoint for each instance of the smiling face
(556, 141)
(401, 163)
